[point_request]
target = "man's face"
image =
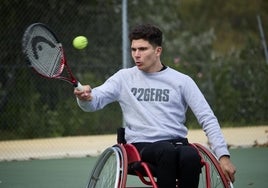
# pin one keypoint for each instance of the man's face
(146, 56)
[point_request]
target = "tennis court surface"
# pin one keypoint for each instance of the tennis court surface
(69, 167)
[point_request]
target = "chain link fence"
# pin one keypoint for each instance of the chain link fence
(34, 107)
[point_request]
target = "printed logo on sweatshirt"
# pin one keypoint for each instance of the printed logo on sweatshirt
(151, 94)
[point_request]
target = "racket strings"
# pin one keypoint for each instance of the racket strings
(45, 52)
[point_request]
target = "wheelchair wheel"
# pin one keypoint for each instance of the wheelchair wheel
(211, 175)
(110, 169)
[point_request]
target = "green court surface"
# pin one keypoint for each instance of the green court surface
(251, 163)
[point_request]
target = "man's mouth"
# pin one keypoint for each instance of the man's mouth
(138, 63)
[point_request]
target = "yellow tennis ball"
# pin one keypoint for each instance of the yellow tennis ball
(80, 42)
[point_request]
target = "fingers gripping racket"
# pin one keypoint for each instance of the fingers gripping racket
(45, 54)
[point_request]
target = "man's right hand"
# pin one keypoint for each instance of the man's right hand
(84, 95)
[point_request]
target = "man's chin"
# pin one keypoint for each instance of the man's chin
(139, 66)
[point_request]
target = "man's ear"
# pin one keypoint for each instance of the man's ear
(158, 50)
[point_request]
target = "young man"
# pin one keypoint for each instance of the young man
(154, 100)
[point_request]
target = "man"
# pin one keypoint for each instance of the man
(154, 100)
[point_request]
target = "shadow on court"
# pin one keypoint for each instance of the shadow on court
(251, 163)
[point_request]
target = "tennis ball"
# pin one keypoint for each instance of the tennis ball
(80, 42)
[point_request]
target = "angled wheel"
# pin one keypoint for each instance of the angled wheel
(110, 169)
(211, 175)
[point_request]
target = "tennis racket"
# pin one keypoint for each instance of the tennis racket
(44, 53)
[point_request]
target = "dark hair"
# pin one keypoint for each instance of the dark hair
(148, 32)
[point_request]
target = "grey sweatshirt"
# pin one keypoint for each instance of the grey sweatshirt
(154, 106)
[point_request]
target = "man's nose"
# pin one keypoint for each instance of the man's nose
(137, 53)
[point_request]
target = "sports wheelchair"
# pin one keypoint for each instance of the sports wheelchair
(122, 160)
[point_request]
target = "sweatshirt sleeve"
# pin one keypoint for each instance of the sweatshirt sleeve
(206, 118)
(102, 95)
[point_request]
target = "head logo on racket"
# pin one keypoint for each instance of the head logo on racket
(45, 54)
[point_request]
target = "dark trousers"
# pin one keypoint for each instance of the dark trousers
(172, 161)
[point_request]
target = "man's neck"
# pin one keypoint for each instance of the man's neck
(163, 67)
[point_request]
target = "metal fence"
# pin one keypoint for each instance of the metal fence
(34, 107)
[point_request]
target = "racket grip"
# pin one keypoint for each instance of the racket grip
(79, 86)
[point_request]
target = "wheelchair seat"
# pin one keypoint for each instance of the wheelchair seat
(137, 167)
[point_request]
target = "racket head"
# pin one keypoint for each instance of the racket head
(43, 51)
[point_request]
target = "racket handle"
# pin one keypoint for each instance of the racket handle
(79, 86)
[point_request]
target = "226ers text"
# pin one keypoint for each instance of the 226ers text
(151, 94)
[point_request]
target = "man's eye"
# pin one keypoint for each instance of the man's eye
(142, 49)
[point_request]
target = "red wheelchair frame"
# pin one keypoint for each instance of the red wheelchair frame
(118, 162)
